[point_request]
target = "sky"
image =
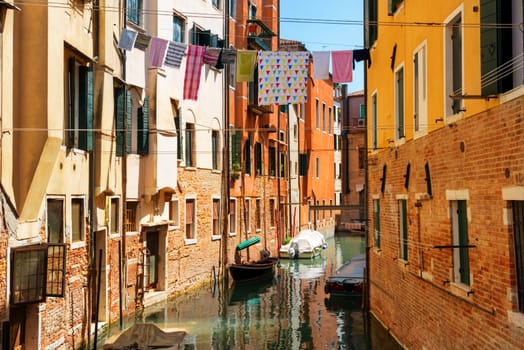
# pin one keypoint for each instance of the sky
(326, 25)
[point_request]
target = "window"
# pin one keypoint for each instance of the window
(232, 216)
(420, 117)
(174, 212)
(190, 145)
(77, 220)
(324, 210)
(330, 119)
(518, 233)
(282, 172)
(132, 123)
(317, 167)
(453, 65)
(258, 159)
(309, 210)
(216, 217)
(323, 116)
(295, 132)
(205, 37)
(272, 161)
(374, 122)
(399, 104)
(114, 215)
(215, 145)
(362, 111)
(247, 155)
(236, 145)
(403, 229)
(55, 220)
(216, 4)
(376, 221)
(361, 158)
(258, 214)
(393, 6)
(247, 213)
(79, 100)
(459, 226)
(317, 114)
(252, 10)
(303, 164)
(179, 28)
(37, 271)
(130, 218)
(302, 111)
(134, 9)
(272, 209)
(190, 219)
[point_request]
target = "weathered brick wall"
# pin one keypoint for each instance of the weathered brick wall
(417, 299)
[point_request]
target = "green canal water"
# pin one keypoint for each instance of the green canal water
(290, 311)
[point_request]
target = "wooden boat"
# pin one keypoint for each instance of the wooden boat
(306, 244)
(348, 280)
(247, 271)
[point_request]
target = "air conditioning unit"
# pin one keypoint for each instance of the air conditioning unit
(361, 123)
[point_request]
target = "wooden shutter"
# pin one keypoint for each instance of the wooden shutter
(179, 134)
(518, 231)
(462, 212)
(216, 209)
(404, 209)
(85, 108)
(235, 147)
(128, 121)
(190, 210)
(143, 128)
(119, 115)
(70, 134)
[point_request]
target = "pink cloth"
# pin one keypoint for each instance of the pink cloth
(157, 50)
(195, 60)
(342, 62)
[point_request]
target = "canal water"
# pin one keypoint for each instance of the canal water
(289, 311)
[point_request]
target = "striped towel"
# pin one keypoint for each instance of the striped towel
(211, 55)
(157, 50)
(175, 52)
(195, 60)
(127, 39)
(142, 41)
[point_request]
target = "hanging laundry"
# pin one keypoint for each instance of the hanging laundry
(211, 55)
(342, 62)
(361, 55)
(246, 60)
(321, 64)
(282, 77)
(142, 41)
(157, 51)
(174, 54)
(127, 39)
(228, 56)
(195, 60)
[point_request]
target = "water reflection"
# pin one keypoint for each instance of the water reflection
(289, 311)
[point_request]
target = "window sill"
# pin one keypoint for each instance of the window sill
(191, 241)
(516, 319)
(232, 234)
(215, 237)
(77, 245)
(461, 290)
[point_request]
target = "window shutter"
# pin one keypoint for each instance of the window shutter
(303, 164)
(180, 137)
(143, 131)
(247, 155)
(463, 241)
(119, 115)
(70, 134)
(235, 147)
(129, 121)
(204, 37)
(85, 112)
(213, 41)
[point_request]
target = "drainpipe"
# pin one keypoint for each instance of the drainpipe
(123, 251)
(366, 179)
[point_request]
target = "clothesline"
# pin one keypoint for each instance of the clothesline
(281, 78)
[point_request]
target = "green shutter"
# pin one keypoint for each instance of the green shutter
(85, 110)
(462, 212)
(376, 212)
(404, 209)
(119, 116)
(236, 146)
(180, 137)
(143, 131)
(70, 133)
(129, 121)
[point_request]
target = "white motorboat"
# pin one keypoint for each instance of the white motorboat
(306, 244)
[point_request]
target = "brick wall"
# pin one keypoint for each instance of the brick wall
(418, 299)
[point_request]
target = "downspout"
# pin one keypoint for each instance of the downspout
(225, 158)
(366, 201)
